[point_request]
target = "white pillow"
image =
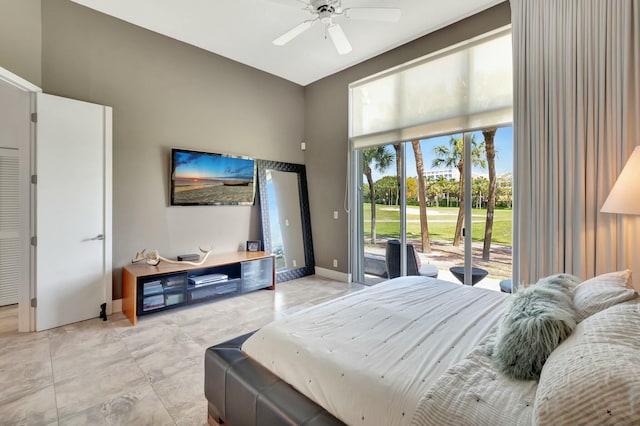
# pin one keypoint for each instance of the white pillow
(601, 292)
(593, 377)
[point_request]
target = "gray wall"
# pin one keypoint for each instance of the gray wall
(168, 94)
(15, 109)
(326, 130)
(20, 38)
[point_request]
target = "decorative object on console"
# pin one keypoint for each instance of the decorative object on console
(202, 178)
(188, 257)
(253, 245)
(153, 257)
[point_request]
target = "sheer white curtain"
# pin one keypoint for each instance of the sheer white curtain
(576, 118)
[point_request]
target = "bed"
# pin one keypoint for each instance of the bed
(413, 350)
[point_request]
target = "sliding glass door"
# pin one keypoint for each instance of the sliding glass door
(432, 206)
(379, 198)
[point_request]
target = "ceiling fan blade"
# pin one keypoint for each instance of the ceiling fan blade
(339, 39)
(294, 32)
(384, 14)
(291, 2)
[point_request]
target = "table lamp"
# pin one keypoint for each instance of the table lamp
(624, 197)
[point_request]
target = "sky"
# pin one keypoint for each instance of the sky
(202, 165)
(504, 154)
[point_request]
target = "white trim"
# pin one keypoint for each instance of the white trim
(30, 311)
(108, 207)
(334, 275)
(26, 314)
(17, 81)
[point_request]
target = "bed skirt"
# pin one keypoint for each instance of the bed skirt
(240, 391)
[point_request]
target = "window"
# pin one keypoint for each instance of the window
(444, 101)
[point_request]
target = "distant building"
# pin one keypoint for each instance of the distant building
(505, 179)
(448, 174)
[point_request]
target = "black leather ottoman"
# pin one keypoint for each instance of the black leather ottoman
(241, 392)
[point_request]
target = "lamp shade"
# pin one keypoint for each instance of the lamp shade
(624, 197)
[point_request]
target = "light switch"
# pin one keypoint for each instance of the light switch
(335, 214)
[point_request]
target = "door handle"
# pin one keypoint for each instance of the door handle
(98, 237)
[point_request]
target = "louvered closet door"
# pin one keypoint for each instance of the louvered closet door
(9, 226)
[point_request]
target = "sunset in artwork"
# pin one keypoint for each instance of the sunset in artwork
(205, 178)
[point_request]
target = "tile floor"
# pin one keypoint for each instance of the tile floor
(112, 373)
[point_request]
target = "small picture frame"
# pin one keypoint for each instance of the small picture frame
(253, 245)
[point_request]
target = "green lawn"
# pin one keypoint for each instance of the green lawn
(442, 223)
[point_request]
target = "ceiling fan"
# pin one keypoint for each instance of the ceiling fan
(326, 10)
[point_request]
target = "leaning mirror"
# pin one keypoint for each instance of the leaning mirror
(286, 224)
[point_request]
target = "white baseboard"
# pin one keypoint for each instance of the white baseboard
(334, 275)
(117, 305)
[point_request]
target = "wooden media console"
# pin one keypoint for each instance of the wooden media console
(147, 289)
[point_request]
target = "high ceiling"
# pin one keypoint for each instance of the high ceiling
(243, 30)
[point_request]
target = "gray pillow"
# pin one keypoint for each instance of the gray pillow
(539, 318)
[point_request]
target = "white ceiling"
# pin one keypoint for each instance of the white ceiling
(242, 30)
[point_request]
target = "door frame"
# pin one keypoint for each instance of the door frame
(26, 314)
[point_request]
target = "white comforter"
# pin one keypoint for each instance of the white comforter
(370, 356)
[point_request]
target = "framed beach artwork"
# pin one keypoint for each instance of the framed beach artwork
(205, 179)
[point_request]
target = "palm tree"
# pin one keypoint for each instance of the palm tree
(380, 159)
(424, 226)
(490, 149)
(396, 147)
(453, 156)
(435, 189)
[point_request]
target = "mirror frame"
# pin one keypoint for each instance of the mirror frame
(300, 171)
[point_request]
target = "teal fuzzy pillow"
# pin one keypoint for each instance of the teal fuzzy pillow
(539, 319)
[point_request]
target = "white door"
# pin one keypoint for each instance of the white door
(72, 142)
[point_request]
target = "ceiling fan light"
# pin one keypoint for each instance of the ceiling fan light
(325, 17)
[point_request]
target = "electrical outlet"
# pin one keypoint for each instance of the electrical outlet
(335, 263)
(335, 214)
